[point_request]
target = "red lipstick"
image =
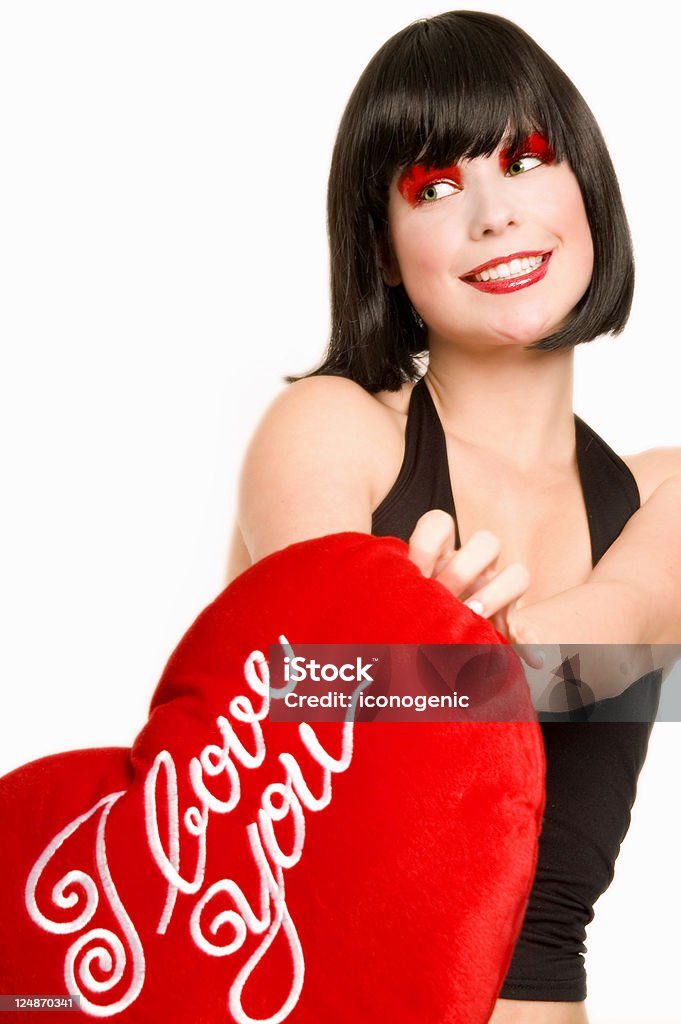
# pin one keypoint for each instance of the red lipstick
(505, 285)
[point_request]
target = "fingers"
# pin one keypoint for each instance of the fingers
(506, 587)
(531, 655)
(521, 630)
(471, 567)
(432, 541)
(469, 573)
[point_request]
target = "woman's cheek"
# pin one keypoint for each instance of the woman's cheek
(570, 214)
(424, 256)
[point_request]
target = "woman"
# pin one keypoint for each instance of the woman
(474, 214)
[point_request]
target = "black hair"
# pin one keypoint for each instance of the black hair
(443, 89)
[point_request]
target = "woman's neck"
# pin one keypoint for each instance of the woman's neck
(512, 402)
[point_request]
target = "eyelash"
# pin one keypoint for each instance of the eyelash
(525, 156)
(534, 146)
(540, 151)
(434, 184)
(416, 181)
(458, 188)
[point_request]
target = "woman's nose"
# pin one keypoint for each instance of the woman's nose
(491, 208)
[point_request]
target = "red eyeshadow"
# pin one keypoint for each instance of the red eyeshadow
(418, 177)
(533, 145)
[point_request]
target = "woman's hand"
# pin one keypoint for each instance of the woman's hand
(592, 641)
(469, 573)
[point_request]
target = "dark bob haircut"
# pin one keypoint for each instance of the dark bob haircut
(446, 88)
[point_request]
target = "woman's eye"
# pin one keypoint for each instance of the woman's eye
(523, 163)
(437, 190)
(423, 183)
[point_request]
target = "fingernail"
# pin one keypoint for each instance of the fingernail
(475, 606)
(541, 657)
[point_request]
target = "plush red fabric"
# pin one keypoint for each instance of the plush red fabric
(229, 868)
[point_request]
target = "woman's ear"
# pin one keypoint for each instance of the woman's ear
(390, 268)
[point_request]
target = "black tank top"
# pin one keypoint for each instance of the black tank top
(592, 766)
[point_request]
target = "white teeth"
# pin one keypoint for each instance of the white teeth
(512, 269)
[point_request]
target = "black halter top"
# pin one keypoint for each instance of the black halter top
(592, 766)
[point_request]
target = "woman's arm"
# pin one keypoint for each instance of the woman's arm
(625, 620)
(308, 469)
(633, 595)
(646, 560)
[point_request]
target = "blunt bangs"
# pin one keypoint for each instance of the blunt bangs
(444, 89)
(448, 90)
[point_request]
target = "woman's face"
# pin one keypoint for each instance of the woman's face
(494, 250)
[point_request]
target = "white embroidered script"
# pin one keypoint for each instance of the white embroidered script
(283, 800)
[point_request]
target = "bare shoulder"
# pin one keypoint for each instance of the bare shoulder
(653, 468)
(325, 396)
(310, 468)
(326, 413)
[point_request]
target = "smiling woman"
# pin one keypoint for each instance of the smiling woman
(444, 91)
(166, 267)
(442, 223)
(475, 221)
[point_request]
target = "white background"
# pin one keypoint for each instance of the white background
(163, 264)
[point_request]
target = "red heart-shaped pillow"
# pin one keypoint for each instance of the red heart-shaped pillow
(233, 868)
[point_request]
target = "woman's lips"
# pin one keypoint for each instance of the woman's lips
(504, 285)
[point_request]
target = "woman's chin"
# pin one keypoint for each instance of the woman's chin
(529, 329)
(515, 329)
